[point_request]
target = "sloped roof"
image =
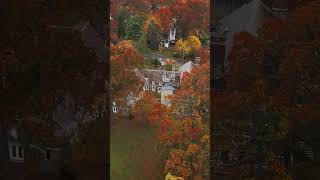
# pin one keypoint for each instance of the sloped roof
(280, 4)
(186, 67)
(155, 76)
(247, 18)
(91, 38)
(166, 88)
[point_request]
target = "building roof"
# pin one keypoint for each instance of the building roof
(89, 35)
(156, 75)
(91, 38)
(186, 67)
(167, 88)
(248, 17)
(276, 4)
(280, 5)
(223, 8)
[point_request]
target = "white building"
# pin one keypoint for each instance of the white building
(173, 32)
(166, 91)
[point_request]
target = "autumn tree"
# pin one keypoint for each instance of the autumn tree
(165, 16)
(124, 61)
(158, 112)
(193, 15)
(144, 107)
(39, 67)
(184, 130)
(189, 45)
(269, 83)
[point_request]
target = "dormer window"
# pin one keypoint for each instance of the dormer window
(48, 154)
(114, 108)
(16, 152)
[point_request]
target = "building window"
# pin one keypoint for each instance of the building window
(16, 151)
(20, 152)
(48, 154)
(115, 109)
(147, 87)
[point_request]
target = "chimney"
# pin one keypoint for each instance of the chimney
(197, 61)
(173, 65)
(217, 60)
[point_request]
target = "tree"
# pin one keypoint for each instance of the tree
(122, 18)
(184, 128)
(151, 20)
(134, 27)
(189, 17)
(190, 162)
(157, 113)
(189, 45)
(153, 36)
(165, 16)
(143, 108)
(40, 66)
(124, 61)
(269, 82)
(183, 47)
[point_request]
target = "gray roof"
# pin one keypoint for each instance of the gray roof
(223, 8)
(166, 88)
(247, 18)
(186, 67)
(91, 38)
(156, 75)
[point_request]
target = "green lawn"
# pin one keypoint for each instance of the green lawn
(134, 153)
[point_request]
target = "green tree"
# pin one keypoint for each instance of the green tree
(122, 18)
(156, 63)
(134, 27)
(141, 44)
(153, 35)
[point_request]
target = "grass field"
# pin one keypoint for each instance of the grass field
(134, 154)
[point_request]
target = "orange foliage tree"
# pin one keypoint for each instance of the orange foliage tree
(272, 79)
(124, 62)
(184, 130)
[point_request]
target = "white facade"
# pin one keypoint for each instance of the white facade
(165, 93)
(114, 108)
(172, 34)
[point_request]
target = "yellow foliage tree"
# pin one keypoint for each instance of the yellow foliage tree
(150, 19)
(194, 42)
(171, 177)
(186, 46)
(183, 47)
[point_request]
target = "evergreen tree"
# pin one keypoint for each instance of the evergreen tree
(122, 18)
(134, 27)
(153, 33)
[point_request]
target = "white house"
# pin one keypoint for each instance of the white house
(166, 91)
(173, 32)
